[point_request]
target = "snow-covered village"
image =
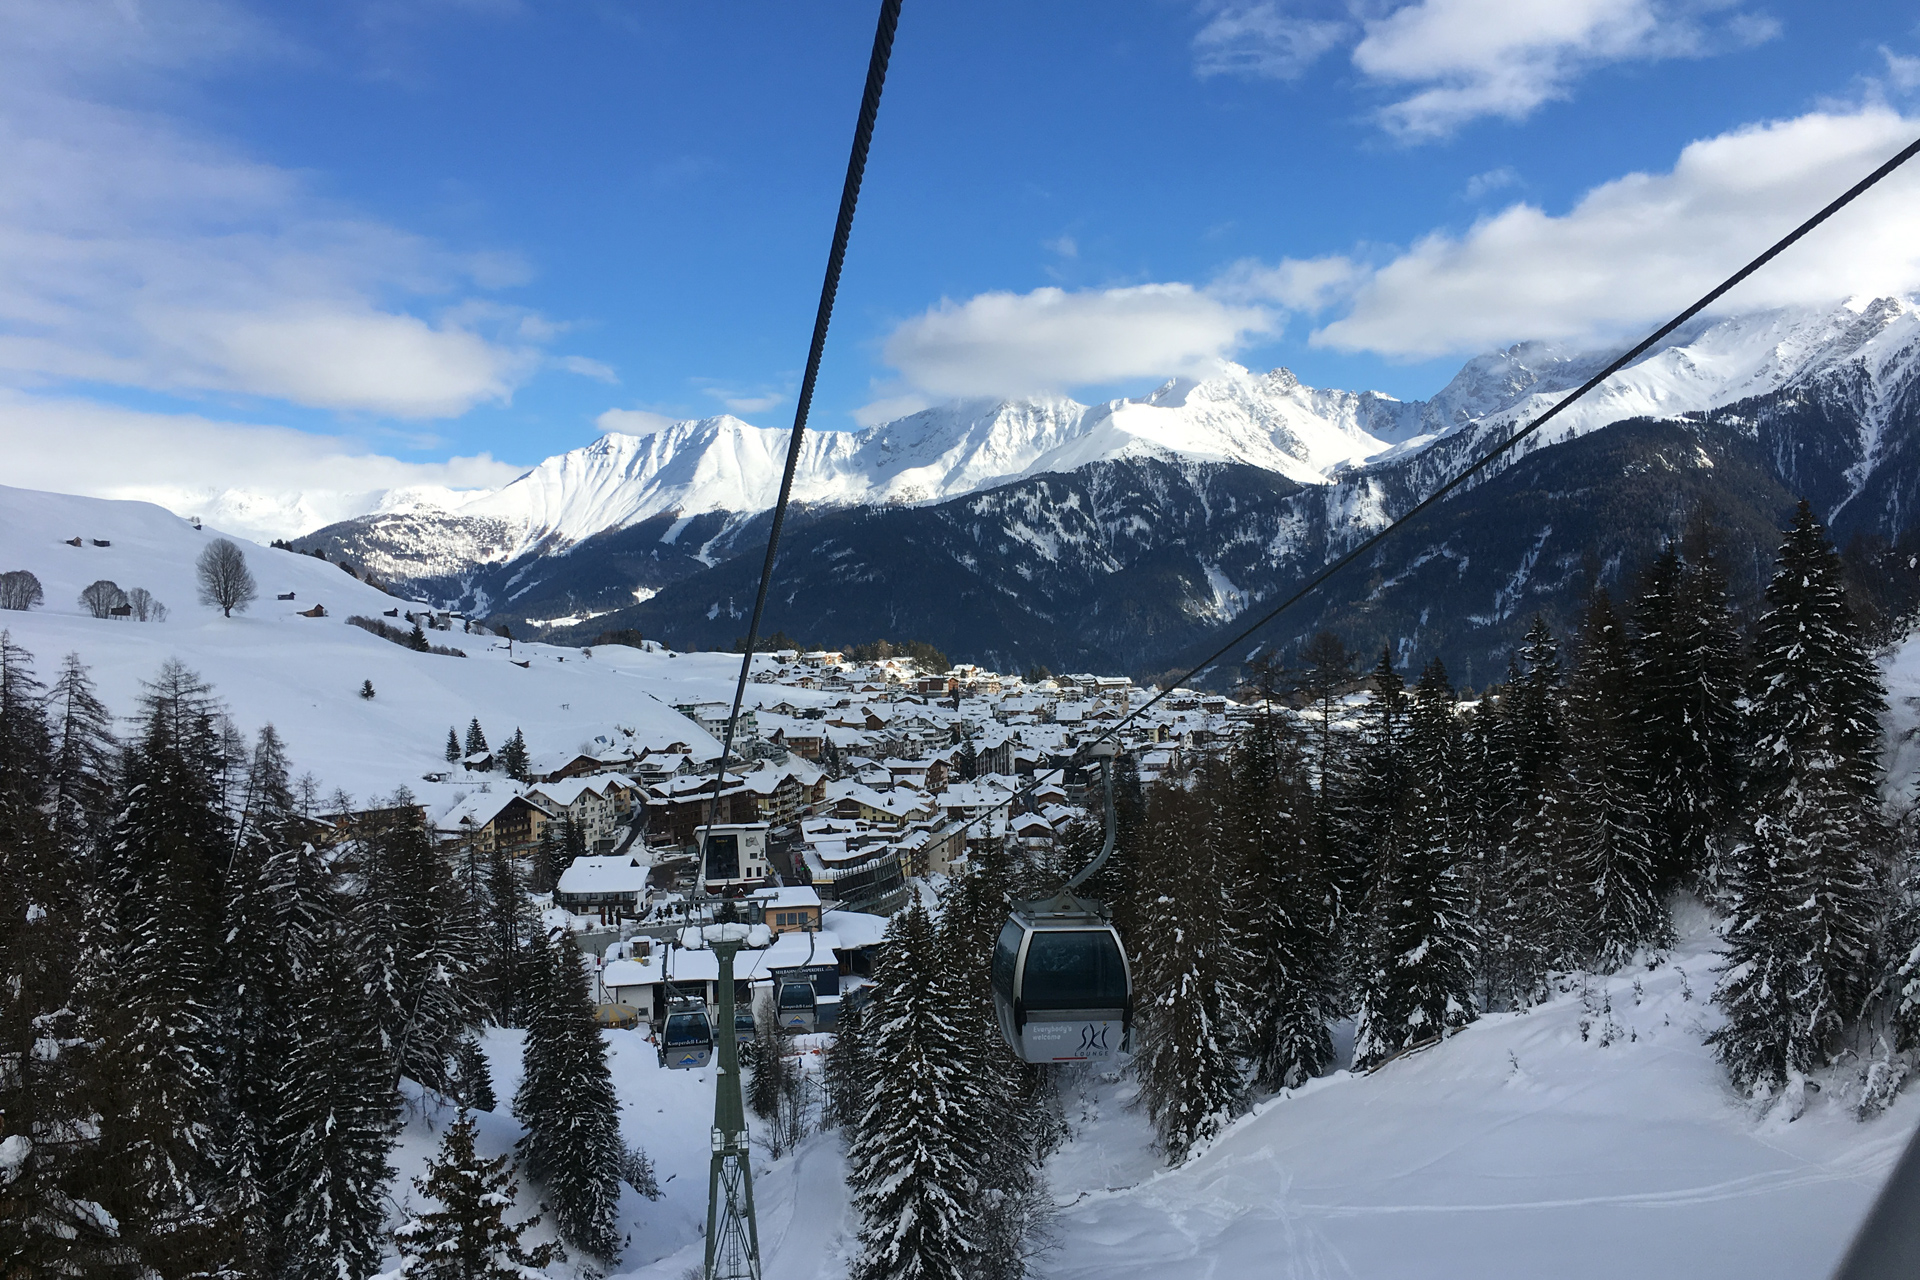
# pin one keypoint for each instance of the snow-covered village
(1303, 658)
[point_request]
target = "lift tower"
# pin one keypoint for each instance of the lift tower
(733, 1241)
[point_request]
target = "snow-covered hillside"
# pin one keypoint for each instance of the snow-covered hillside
(1594, 1138)
(304, 674)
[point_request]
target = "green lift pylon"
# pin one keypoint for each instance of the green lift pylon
(733, 1239)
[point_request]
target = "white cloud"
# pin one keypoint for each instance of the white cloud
(1639, 248)
(1260, 41)
(1474, 58)
(1461, 60)
(633, 422)
(753, 403)
(1065, 246)
(1481, 184)
(588, 368)
(135, 252)
(1050, 340)
(263, 481)
(1902, 72)
(1298, 284)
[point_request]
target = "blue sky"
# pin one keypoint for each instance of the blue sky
(340, 245)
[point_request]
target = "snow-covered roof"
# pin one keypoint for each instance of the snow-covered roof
(569, 790)
(593, 876)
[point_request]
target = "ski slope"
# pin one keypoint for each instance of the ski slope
(303, 675)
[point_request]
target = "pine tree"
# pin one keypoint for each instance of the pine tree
(1807, 876)
(1373, 793)
(1528, 913)
(1185, 978)
(83, 763)
(1004, 1100)
(453, 752)
(469, 1237)
(513, 758)
(424, 949)
(476, 737)
(1417, 981)
(545, 871)
(513, 932)
(1687, 685)
(51, 1221)
(340, 1114)
(472, 1077)
(151, 978)
(1606, 830)
(847, 1070)
(572, 1148)
(912, 1157)
(1284, 917)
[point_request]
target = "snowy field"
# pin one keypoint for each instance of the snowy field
(304, 674)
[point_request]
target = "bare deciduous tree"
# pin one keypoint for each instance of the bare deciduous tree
(102, 598)
(19, 589)
(225, 581)
(145, 607)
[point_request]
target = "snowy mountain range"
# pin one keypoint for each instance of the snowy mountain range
(1813, 402)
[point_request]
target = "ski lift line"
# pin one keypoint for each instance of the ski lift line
(829, 289)
(1487, 459)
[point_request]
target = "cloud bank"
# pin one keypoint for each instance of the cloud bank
(1455, 61)
(138, 253)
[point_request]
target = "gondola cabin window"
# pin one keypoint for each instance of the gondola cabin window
(1073, 969)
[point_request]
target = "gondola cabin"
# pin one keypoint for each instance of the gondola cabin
(742, 1027)
(686, 1041)
(1061, 987)
(796, 1006)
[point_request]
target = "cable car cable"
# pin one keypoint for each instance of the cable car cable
(1487, 459)
(829, 289)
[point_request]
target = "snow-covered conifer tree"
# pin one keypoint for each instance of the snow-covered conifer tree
(513, 758)
(1417, 980)
(1528, 930)
(453, 752)
(49, 1094)
(1604, 822)
(1806, 873)
(1686, 687)
(572, 1148)
(471, 1235)
(151, 979)
(913, 1157)
(1283, 916)
(1185, 974)
(476, 737)
(424, 948)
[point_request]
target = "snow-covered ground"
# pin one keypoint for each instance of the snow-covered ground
(304, 674)
(1592, 1137)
